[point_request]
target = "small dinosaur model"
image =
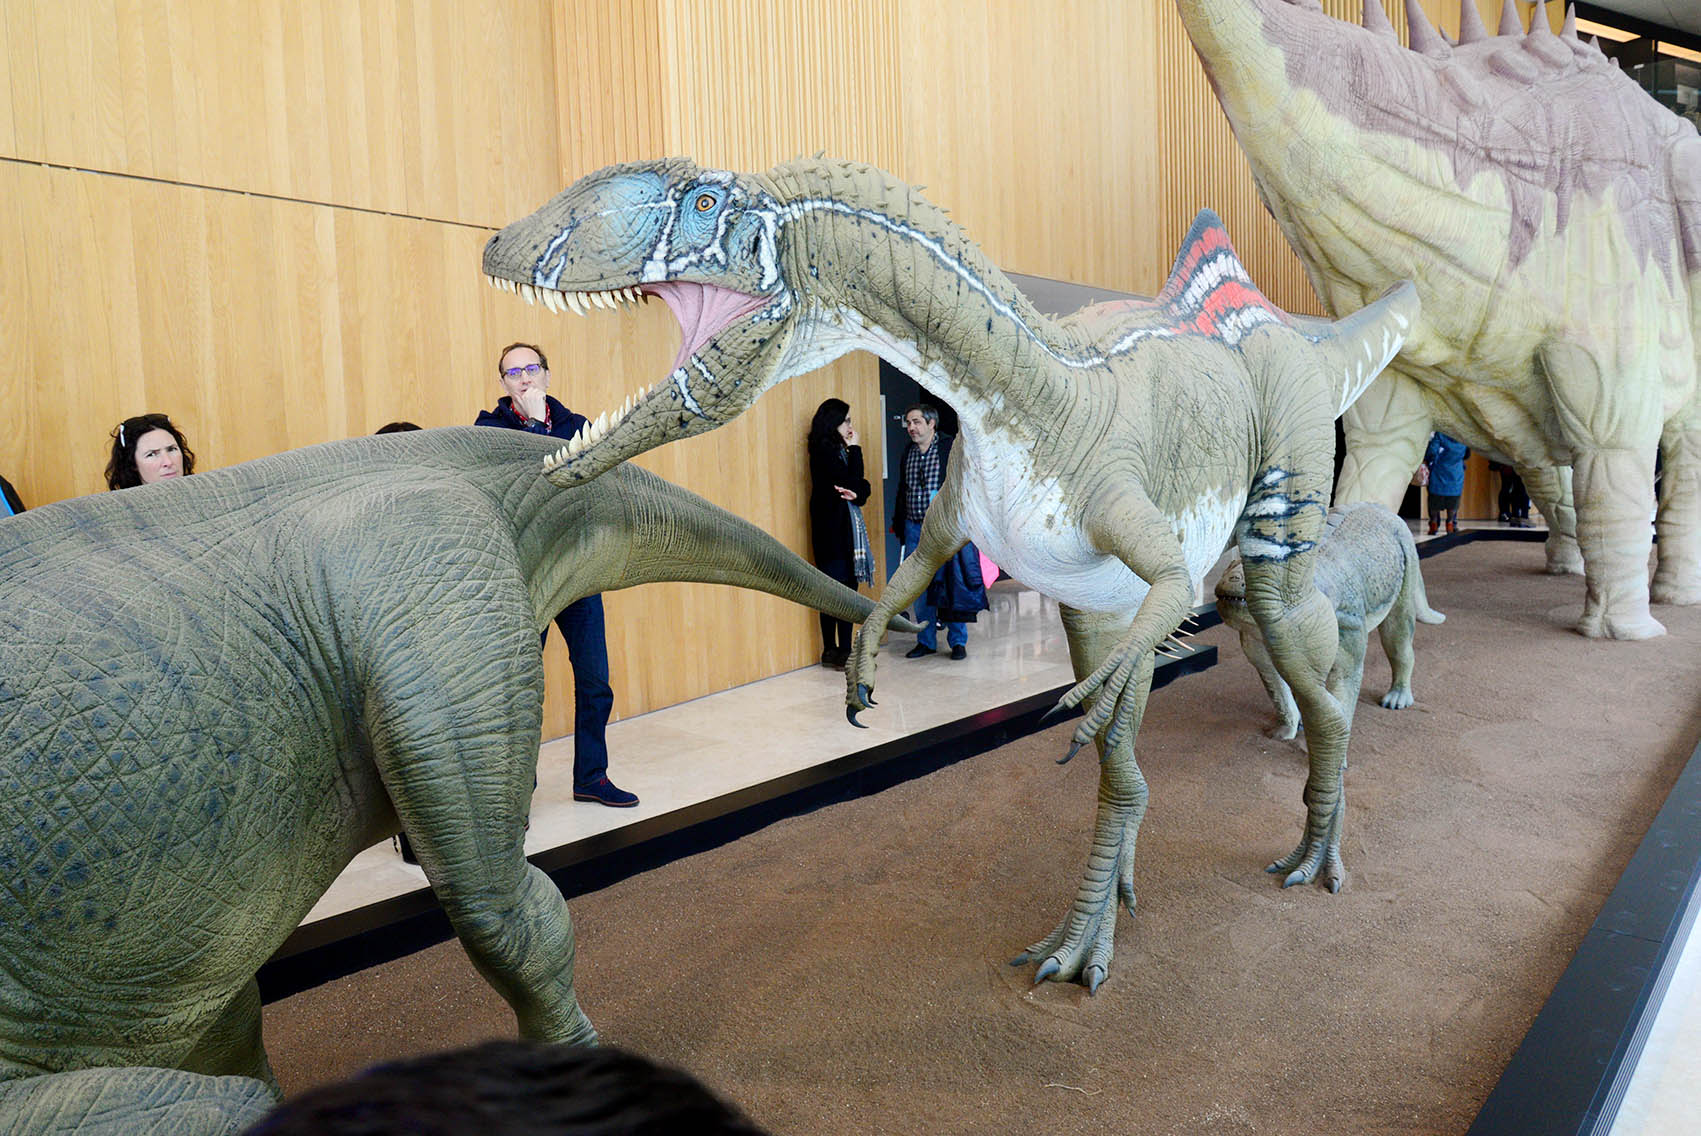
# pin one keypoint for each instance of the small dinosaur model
(214, 692)
(1549, 212)
(1367, 566)
(1105, 459)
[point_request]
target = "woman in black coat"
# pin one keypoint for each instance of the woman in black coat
(836, 484)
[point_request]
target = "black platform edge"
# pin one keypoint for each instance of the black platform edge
(382, 932)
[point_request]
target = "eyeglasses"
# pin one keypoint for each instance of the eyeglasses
(528, 369)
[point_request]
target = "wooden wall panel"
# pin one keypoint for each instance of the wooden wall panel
(1033, 124)
(432, 108)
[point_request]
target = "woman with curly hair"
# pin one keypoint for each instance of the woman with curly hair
(146, 449)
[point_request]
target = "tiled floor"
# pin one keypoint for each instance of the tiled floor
(704, 749)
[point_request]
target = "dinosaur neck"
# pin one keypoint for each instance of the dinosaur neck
(908, 285)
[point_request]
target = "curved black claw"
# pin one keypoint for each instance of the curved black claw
(865, 694)
(850, 716)
(1074, 748)
(1055, 714)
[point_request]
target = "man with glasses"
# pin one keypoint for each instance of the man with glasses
(524, 374)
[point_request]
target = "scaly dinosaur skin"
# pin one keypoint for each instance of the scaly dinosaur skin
(1367, 567)
(214, 692)
(1105, 459)
(1549, 212)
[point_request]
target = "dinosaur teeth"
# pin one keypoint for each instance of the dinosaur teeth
(528, 293)
(573, 304)
(551, 298)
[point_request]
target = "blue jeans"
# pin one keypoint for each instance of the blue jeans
(956, 634)
(593, 698)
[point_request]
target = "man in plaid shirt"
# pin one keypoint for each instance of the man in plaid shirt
(920, 474)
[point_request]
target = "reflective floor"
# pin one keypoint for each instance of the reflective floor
(704, 749)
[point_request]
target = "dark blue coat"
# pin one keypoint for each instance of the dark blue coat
(1446, 461)
(563, 423)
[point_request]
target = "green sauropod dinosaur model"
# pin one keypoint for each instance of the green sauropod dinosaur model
(1106, 458)
(1549, 212)
(214, 692)
(1367, 567)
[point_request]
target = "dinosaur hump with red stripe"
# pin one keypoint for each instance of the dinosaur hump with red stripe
(1209, 292)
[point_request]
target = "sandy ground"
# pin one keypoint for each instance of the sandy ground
(847, 971)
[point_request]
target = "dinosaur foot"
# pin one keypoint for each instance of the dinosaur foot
(1078, 949)
(1631, 625)
(1397, 699)
(1674, 592)
(1564, 556)
(1282, 731)
(1317, 858)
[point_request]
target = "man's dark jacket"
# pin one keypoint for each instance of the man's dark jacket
(957, 590)
(900, 512)
(563, 423)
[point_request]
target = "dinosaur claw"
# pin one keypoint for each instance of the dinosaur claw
(1334, 885)
(1021, 959)
(865, 694)
(1297, 876)
(1074, 748)
(1095, 975)
(850, 716)
(1047, 968)
(1055, 714)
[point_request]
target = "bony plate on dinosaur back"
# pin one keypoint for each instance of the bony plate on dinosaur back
(214, 692)
(1549, 211)
(1106, 458)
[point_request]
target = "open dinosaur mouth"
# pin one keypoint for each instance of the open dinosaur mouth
(702, 310)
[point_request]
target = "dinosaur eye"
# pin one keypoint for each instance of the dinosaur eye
(704, 202)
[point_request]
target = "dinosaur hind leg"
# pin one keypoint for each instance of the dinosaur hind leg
(1677, 575)
(1612, 435)
(1549, 487)
(1079, 948)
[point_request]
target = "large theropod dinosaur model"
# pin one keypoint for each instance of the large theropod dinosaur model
(1549, 212)
(214, 692)
(1106, 459)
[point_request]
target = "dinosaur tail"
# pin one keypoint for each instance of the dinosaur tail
(1414, 580)
(677, 535)
(1356, 348)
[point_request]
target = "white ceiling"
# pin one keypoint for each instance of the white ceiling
(1684, 15)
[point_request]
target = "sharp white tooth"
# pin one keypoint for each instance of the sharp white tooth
(512, 286)
(548, 298)
(528, 293)
(572, 299)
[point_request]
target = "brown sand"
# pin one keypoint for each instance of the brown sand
(846, 971)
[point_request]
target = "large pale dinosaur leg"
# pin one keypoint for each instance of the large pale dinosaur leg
(1081, 944)
(1387, 430)
(1549, 487)
(1613, 436)
(455, 736)
(1677, 574)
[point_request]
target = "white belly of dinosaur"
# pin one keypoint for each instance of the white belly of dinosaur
(1029, 532)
